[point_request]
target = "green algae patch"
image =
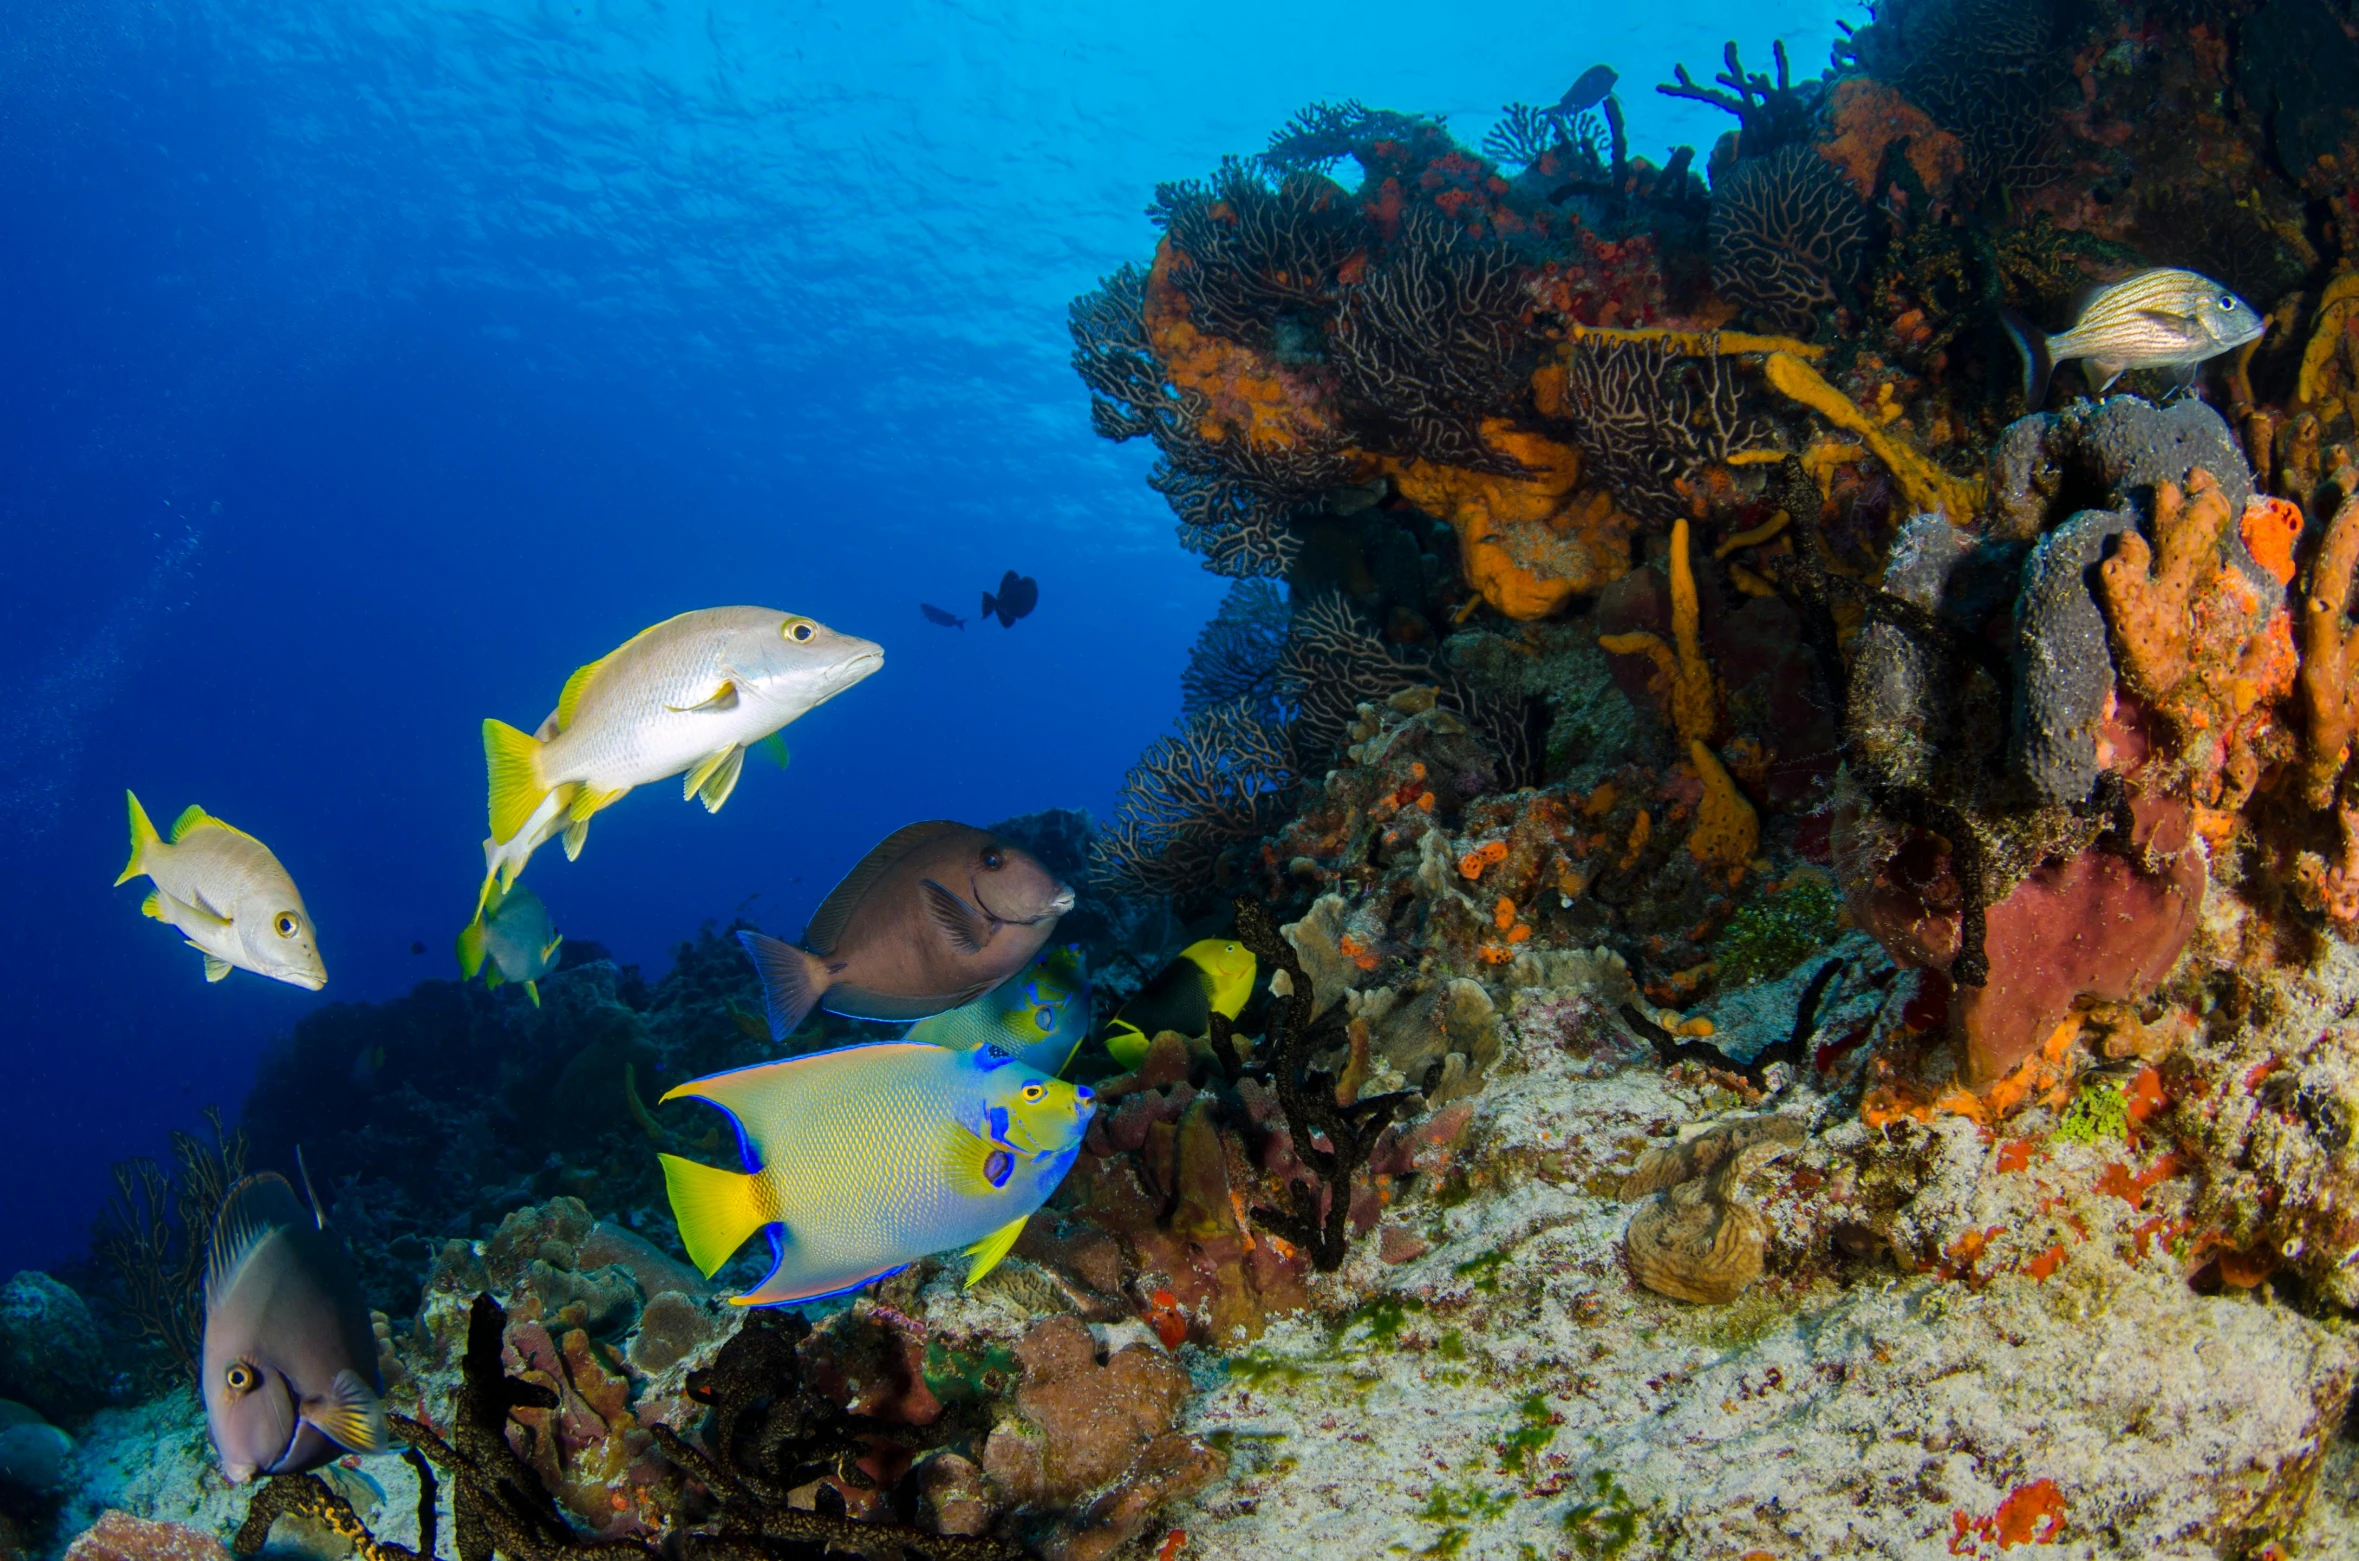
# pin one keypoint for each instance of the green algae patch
(1259, 1368)
(1457, 1509)
(1606, 1524)
(1778, 931)
(1384, 1317)
(1535, 1429)
(2099, 1114)
(1483, 1270)
(969, 1376)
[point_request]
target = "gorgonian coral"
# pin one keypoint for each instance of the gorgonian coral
(155, 1231)
(1257, 255)
(1224, 780)
(1652, 414)
(1787, 232)
(1334, 663)
(1127, 393)
(1433, 338)
(1322, 135)
(1236, 657)
(1528, 137)
(1986, 70)
(1239, 529)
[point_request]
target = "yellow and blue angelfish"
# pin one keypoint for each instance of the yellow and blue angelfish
(1210, 976)
(862, 1160)
(1041, 1014)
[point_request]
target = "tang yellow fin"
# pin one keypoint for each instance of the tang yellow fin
(143, 835)
(350, 1413)
(992, 1248)
(716, 1210)
(512, 760)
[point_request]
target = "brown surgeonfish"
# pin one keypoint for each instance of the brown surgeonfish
(934, 917)
(291, 1380)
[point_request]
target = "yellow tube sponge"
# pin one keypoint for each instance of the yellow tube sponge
(1693, 702)
(1928, 487)
(1727, 829)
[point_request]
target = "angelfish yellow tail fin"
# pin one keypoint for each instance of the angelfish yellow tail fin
(143, 835)
(513, 761)
(716, 1210)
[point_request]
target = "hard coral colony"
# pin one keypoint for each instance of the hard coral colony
(1802, 911)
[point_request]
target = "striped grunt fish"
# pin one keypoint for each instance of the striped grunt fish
(2158, 319)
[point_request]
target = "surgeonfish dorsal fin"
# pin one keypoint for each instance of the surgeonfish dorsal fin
(992, 1248)
(967, 928)
(349, 1413)
(255, 1207)
(319, 1218)
(143, 835)
(827, 923)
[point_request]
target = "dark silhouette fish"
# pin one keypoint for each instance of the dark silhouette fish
(1588, 92)
(290, 1362)
(935, 916)
(944, 616)
(1018, 595)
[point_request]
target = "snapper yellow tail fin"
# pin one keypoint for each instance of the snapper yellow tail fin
(143, 835)
(513, 761)
(716, 1210)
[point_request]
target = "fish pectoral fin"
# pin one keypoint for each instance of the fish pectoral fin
(349, 1412)
(716, 1210)
(714, 777)
(967, 929)
(972, 1165)
(215, 966)
(992, 1248)
(722, 698)
(2105, 371)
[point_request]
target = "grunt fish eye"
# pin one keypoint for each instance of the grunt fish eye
(287, 925)
(2227, 303)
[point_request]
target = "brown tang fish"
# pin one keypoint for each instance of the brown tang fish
(2158, 319)
(291, 1377)
(935, 916)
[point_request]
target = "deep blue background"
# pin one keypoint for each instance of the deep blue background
(366, 367)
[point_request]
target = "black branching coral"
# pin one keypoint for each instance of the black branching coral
(1787, 234)
(1332, 1141)
(1771, 115)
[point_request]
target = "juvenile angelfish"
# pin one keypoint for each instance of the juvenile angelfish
(2157, 319)
(932, 918)
(689, 695)
(865, 1159)
(228, 896)
(1040, 1015)
(1210, 976)
(290, 1361)
(514, 937)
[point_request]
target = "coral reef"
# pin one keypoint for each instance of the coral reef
(1788, 234)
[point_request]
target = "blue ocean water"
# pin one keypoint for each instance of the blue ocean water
(368, 366)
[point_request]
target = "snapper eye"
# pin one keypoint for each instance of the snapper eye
(239, 1377)
(797, 629)
(287, 925)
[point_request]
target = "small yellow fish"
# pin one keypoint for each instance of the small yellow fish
(2157, 319)
(228, 896)
(867, 1158)
(1213, 975)
(689, 695)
